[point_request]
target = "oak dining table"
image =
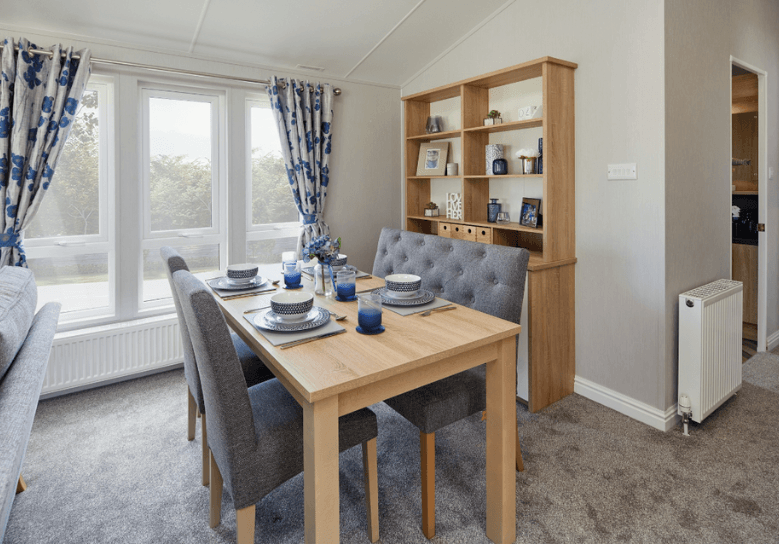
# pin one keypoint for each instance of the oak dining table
(334, 376)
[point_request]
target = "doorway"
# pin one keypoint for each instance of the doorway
(748, 202)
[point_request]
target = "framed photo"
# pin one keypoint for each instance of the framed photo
(432, 159)
(528, 216)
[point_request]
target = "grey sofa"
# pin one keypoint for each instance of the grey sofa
(25, 343)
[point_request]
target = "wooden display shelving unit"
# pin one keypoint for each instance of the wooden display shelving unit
(547, 350)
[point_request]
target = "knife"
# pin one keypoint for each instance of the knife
(306, 340)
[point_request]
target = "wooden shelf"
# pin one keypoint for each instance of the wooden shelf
(502, 226)
(744, 192)
(503, 127)
(433, 177)
(437, 135)
(506, 176)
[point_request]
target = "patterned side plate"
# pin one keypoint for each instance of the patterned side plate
(268, 320)
(423, 297)
(225, 283)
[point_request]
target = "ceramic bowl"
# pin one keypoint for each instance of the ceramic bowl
(403, 285)
(241, 272)
(338, 262)
(292, 306)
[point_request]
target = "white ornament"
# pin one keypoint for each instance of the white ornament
(454, 206)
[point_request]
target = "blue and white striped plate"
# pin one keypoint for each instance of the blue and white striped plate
(270, 321)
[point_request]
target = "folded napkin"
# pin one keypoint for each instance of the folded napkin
(408, 310)
(231, 293)
(309, 270)
(277, 338)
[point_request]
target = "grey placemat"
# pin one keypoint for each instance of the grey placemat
(408, 310)
(309, 270)
(277, 338)
(230, 293)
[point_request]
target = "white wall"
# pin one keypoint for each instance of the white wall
(620, 274)
(365, 189)
(700, 37)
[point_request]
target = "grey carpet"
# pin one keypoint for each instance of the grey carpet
(113, 465)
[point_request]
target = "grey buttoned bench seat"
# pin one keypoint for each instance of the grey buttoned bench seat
(485, 277)
(25, 344)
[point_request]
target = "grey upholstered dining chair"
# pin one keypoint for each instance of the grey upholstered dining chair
(485, 277)
(254, 370)
(256, 434)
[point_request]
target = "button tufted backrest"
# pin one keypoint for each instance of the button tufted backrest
(485, 277)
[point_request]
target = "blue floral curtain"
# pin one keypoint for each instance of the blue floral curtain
(38, 100)
(304, 119)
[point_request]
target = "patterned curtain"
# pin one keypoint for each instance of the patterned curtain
(38, 100)
(305, 121)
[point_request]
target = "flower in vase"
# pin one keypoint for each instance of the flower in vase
(323, 248)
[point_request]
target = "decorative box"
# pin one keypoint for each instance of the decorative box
(431, 212)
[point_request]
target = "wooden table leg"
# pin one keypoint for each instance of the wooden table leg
(320, 477)
(501, 444)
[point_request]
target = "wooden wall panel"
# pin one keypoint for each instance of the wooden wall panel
(745, 270)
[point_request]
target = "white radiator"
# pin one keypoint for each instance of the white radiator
(85, 358)
(709, 346)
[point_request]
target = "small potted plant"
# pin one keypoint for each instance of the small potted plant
(493, 118)
(431, 209)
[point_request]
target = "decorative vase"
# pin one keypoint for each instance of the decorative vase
(323, 280)
(540, 165)
(500, 167)
(493, 151)
(493, 208)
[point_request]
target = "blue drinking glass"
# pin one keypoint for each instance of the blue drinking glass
(346, 284)
(292, 274)
(369, 312)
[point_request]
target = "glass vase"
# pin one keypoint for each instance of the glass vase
(323, 281)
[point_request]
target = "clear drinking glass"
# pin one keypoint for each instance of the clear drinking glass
(292, 274)
(503, 217)
(286, 257)
(369, 312)
(345, 283)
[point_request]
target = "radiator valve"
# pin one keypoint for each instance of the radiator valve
(686, 409)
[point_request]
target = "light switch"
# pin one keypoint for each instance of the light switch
(623, 171)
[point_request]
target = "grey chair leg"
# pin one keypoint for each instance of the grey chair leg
(215, 497)
(427, 457)
(206, 451)
(192, 415)
(370, 471)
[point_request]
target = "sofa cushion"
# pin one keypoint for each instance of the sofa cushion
(18, 297)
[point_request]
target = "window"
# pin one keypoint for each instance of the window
(70, 242)
(184, 189)
(272, 218)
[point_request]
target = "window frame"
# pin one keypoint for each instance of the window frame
(216, 234)
(104, 242)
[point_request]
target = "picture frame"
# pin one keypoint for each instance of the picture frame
(432, 159)
(528, 215)
(529, 112)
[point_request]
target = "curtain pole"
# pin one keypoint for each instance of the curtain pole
(336, 91)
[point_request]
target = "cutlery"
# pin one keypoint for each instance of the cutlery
(275, 282)
(365, 290)
(231, 297)
(253, 310)
(440, 309)
(338, 317)
(307, 340)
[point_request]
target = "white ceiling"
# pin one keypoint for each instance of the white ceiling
(379, 41)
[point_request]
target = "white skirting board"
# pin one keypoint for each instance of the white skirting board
(100, 355)
(662, 420)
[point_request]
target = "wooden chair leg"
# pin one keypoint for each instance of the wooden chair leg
(244, 521)
(370, 471)
(206, 451)
(427, 455)
(520, 464)
(21, 485)
(192, 415)
(216, 494)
